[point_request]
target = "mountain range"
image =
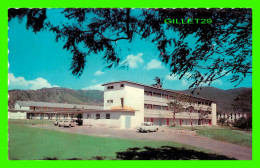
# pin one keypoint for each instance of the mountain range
(224, 98)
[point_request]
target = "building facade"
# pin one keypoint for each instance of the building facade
(152, 104)
(126, 105)
(47, 110)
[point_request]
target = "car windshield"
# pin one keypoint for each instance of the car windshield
(146, 124)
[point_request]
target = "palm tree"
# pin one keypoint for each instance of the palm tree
(159, 82)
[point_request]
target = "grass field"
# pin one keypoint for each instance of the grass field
(227, 134)
(28, 143)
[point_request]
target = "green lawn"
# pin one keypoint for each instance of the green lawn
(227, 134)
(27, 143)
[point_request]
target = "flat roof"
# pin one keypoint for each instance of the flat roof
(71, 111)
(57, 105)
(167, 90)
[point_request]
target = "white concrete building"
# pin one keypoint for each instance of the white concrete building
(232, 116)
(151, 104)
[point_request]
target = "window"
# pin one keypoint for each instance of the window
(122, 85)
(157, 94)
(147, 106)
(108, 116)
(97, 116)
(109, 101)
(110, 87)
(147, 93)
(156, 107)
(164, 107)
(122, 102)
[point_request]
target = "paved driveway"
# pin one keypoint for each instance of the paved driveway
(166, 134)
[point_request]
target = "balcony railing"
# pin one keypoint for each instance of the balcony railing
(162, 100)
(169, 114)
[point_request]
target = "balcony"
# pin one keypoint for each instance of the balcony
(149, 113)
(155, 99)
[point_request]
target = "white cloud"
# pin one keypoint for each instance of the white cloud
(21, 83)
(217, 82)
(94, 87)
(98, 73)
(171, 77)
(184, 82)
(133, 61)
(154, 64)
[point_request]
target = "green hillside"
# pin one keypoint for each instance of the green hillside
(224, 98)
(57, 95)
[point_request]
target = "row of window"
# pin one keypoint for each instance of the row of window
(97, 116)
(112, 87)
(48, 108)
(121, 100)
(154, 94)
(157, 107)
(231, 115)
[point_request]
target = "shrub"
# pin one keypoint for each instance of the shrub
(244, 123)
(222, 121)
(173, 125)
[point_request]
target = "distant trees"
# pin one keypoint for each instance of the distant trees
(220, 49)
(244, 123)
(243, 103)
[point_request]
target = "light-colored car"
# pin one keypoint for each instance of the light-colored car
(147, 127)
(61, 123)
(56, 122)
(69, 123)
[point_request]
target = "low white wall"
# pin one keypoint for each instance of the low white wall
(17, 115)
(163, 121)
(117, 119)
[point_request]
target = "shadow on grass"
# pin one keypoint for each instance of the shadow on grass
(161, 153)
(167, 153)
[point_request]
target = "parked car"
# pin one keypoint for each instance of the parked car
(147, 127)
(60, 123)
(56, 122)
(69, 123)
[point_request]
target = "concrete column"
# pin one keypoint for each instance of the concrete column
(214, 113)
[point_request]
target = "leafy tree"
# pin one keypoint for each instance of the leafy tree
(177, 107)
(182, 103)
(216, 50)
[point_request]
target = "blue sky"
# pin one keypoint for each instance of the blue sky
(37, 61)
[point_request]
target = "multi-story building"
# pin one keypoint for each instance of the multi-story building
(152, 104)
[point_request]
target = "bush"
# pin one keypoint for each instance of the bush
(173, 125)
(243, 123)
(222, 121)
(80, 122)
